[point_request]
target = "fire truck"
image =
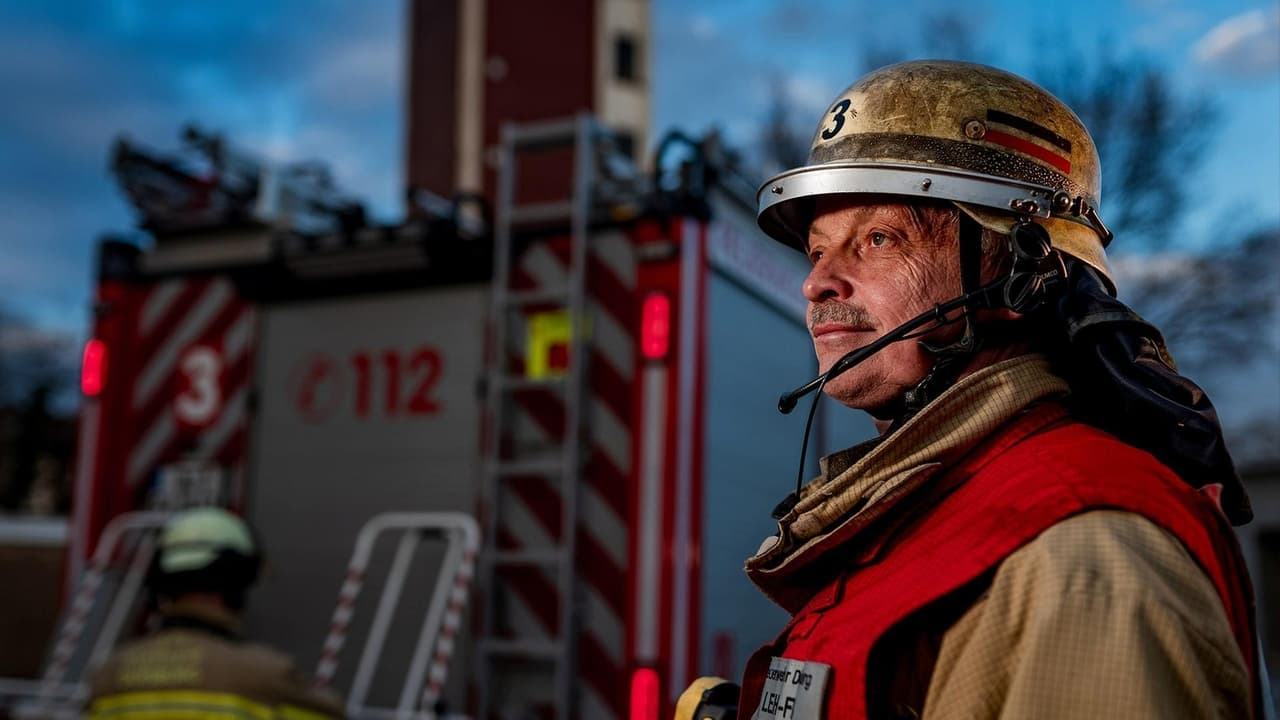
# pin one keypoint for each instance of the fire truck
(583, 354)
(611, 369)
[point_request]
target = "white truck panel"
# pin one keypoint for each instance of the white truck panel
(365, 405)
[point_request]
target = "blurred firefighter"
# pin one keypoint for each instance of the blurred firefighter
(1041, 530)
(197, 664)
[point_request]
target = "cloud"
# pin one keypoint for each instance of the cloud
(366, 71)
(810, 94)
(719, 76)
(48, 241)
(77, 75)
(1144, 268)
(794, 17)
(17, 338)
(701, 26)
(1167, 27)
(1246, 45)
(70, 98)
(370, 172)
(31, 357)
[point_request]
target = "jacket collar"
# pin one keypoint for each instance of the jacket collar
(859, 487)
(201, 616)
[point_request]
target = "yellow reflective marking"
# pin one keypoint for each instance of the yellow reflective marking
(292, 712)
(545, 331)
(170, 713)
(177, 704)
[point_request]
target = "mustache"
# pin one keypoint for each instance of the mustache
(837, 312)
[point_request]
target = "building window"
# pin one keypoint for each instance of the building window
(626, 58)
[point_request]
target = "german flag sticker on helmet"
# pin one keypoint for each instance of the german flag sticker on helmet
(1023, 136)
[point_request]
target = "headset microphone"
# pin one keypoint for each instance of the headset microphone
(787, 402)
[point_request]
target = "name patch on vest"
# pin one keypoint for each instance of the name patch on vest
(793, 690)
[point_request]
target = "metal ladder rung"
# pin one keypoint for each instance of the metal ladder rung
(547, 132)
(512, 383)
(541, 466)
(522, 649)
(528, 557)
(544, 212)
(545, 296)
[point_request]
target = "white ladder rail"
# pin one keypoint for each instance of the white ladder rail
(58, 692)
(427, 671)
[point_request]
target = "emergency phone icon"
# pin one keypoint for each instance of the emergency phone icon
(316, 387)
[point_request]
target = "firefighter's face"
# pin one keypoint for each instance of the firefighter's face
(876, 265)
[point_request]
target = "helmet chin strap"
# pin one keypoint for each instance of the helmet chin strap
(950, 359)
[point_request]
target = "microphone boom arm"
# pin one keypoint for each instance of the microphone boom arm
(979, 298)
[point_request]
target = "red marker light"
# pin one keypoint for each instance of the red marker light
(93, 368)
(644, 694)
(655, 326)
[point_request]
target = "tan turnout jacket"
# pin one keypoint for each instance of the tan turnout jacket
(198, 668)
(1104, 615)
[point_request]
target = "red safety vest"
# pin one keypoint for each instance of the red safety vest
(1039, 470)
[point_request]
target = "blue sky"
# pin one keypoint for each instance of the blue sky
(321, 79)
(729, 53)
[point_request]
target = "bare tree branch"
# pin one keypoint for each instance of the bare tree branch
(1216, 311)
(1151, 140)
(783, 144)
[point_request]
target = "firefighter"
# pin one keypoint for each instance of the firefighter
(197, 664)
(1041, 528)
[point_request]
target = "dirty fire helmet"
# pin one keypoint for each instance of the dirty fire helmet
(999, 147)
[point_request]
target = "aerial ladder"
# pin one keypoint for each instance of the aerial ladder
(210, 185)
(504, 462)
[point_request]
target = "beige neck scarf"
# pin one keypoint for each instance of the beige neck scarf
(861, 484)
